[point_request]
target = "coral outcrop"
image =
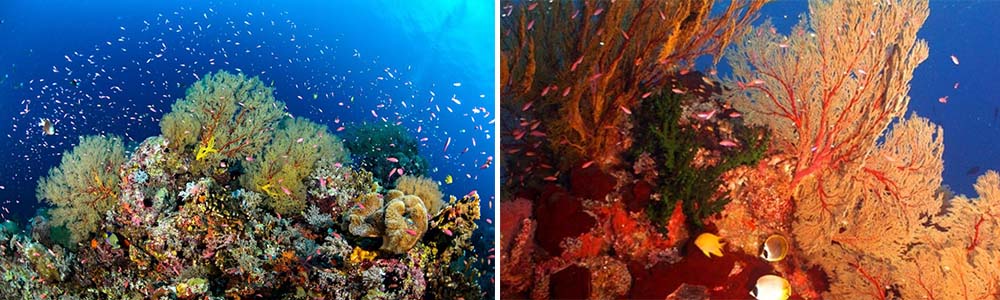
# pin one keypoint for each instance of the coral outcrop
(230, 203)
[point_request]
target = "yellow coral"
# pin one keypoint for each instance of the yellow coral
(205, 150)
(362, 255)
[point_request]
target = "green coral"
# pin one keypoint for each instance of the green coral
(222, 116)
(295, 151)
(85, 185)
(674, 143)
(384, 147)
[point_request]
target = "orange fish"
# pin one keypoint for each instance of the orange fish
(93, 243)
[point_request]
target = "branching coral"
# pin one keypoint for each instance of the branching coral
(223, 116)
(85, 184)
(674, 142)
(294, 152)
(386, 150)
(580, 64)
(834, 84)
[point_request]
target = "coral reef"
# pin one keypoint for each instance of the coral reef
(222, 117)
(297, 147)
(85, 184)
(385, 150)
(580, 66)
(422, 187)
(163, 223)
(691, 151)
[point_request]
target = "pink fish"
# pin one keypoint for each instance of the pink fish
(392, 159)
(727, 143)
(341, 128)
(411, 232)
(587, 164)
(598, 11)
(626, 110)
(393, 171)
(566, 91)
(519, 133)
(250, 158)
(300, 140)
(644, 96)
(446, 231)
(735, 114)
(322, 182)
(943, 99)
(284, 189)
(489, 220)
(677, 91)
(527, 105)
(705, 115)
(531, 24)
(576, 63)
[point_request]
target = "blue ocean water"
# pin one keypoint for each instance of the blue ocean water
(971, 116)
(114, 67)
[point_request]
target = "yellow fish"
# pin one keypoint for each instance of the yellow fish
(709, 244)
(448, 179)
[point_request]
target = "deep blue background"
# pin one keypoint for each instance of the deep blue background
(335, 50)
(968, 30)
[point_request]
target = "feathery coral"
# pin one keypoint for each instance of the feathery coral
(294, 152)
(223, 116)
(85, 184)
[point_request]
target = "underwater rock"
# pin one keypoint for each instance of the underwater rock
(727, 277)
(591, 183)
(559, 216)
(570, 283)
(638, 199)
(689, 292)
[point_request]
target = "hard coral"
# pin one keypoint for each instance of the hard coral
(405, 223)
(422, 187)
(361, 217)
(85, 184)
